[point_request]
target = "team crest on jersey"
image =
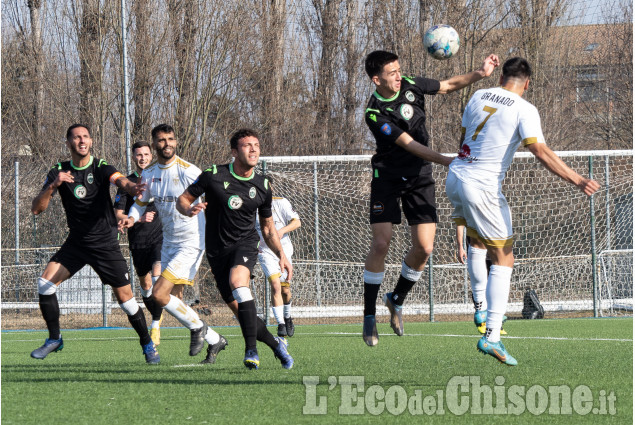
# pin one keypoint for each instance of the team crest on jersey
(80, 192)
(252, 192)
(89, 178)
(406, 111)
(176, 181)
(410, 96)
(235, 202)
(386, 129)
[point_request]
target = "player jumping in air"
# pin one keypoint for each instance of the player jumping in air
(496, 122)
(402, 173)
(84, 186)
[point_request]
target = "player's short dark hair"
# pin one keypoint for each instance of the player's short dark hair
(375, 61)
(162, 128)
(240, 134)
(516, 68)
(73, 127)
(141, 144)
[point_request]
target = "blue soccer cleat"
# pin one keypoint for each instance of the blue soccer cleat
(396, 321)
(480, 317)
(251, 360)
(282, 354)
(151, 353)
(370, 331)
(50, 346)
(496, 350)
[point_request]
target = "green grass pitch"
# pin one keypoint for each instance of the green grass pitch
(432, 374)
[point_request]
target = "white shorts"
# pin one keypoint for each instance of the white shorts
(485, 214)
(270, 265)
(179, 263)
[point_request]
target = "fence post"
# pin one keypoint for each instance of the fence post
(17, 225)
(607, 202)
(267, 288)
(593, 247)
(430, 280)
(317, 236)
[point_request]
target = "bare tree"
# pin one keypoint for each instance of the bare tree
(35, 7)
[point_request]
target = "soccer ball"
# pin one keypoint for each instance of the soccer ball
(441, 41)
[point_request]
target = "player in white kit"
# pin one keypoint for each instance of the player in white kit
(183, 238)
(286, 220)
(495, 123)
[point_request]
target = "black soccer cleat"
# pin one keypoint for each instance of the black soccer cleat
(214, 349)
(288, 321)
(197, 339)
(282, 329)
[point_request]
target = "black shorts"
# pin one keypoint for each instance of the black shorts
(144, 258)
(221, 265)
(107, 261)
(417, 199)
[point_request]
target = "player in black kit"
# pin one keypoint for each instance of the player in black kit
(402, 174)
(144, 238)
(83, 184)
(234, 193)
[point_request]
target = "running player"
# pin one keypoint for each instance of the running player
(84, 186)
(402, 174)
(234, 193)
(183, 242)
(144, 238)
(286, 220)
(496, 122)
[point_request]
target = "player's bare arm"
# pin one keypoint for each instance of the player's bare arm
(460, 251)
(41, 201)
(271, 238)
(553, 163)
(459, 81)
(293, 225)
(134, 189)
(185, 207)
(411, 145)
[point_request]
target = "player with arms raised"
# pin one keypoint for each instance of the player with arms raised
(402, 173)
(496, 122)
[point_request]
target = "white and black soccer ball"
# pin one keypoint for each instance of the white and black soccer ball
(441, 41)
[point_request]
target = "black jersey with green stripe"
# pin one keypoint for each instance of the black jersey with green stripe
(388, 119)
(232, 204)
(86, 201)
(140, 235)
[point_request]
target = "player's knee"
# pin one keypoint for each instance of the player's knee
(380, 247)
(45, 287)
(422, 251)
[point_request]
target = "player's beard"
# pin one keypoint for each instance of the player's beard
(165, 156)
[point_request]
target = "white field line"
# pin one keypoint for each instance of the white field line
(356, 334)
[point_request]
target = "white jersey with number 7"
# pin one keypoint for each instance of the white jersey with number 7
(495, 123)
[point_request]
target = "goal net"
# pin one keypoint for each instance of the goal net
(553, 247)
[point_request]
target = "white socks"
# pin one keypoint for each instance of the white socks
(278, 312)
(373, 278)
(183, 313)
(287, 310)
(477, 269)
(497, 296)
